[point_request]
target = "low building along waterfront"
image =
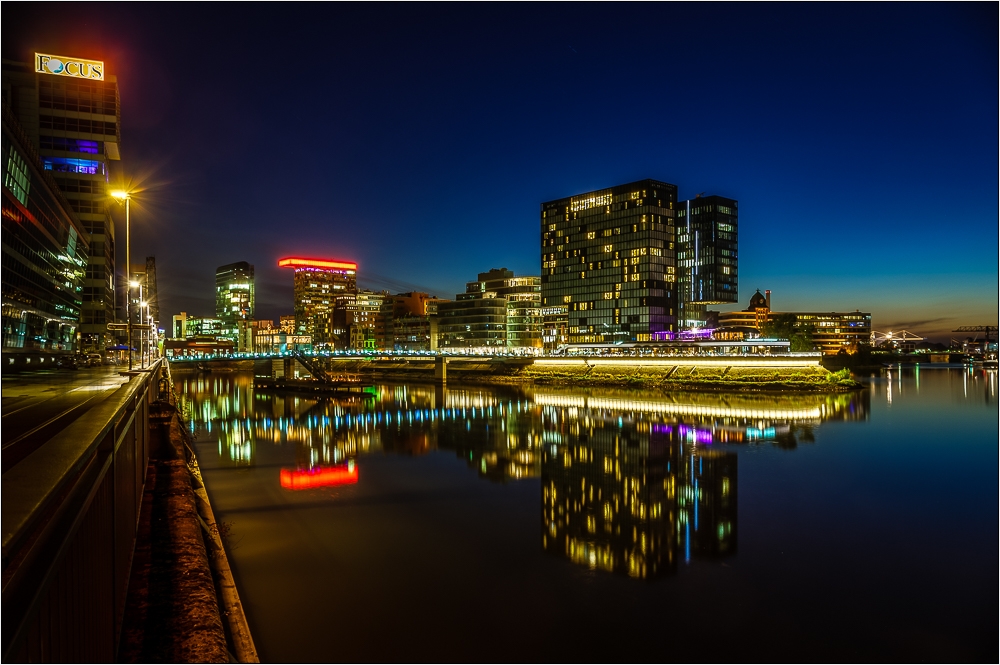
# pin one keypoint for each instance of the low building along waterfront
(831, 332)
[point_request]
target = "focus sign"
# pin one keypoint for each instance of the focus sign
(64, 66)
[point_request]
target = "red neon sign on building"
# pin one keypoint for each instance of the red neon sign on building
(297, 262)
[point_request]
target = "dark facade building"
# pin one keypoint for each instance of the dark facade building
(411, 322)
(234, 297)
(610, 257)
(144, 308)
(707, 232)
(45, 257)
(69, 109)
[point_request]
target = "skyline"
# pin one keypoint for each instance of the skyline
(859, 142)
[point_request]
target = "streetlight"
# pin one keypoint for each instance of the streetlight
(144, 329)
(121, 195)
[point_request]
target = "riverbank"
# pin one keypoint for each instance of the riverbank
(737, 373)
(182, 604)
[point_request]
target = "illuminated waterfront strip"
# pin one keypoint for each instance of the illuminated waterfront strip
(693, 362)
(615, 404)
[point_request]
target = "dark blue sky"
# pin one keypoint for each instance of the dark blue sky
(860, 139)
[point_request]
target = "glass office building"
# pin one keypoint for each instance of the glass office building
(45, 257)
(706, 256)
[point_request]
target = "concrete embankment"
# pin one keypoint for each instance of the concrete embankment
(180, 574)
(680, 373)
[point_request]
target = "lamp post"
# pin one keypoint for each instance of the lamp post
(121, 195)
(143, 328)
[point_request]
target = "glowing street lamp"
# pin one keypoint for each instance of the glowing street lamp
(121, 195)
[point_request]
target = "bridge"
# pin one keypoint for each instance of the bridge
(70, 511)
(894, 338)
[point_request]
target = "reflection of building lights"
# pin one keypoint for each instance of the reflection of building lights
(613, 404)
(303, 479)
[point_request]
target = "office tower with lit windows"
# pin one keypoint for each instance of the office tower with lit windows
(631, 264)
(318, 285)
(70, 110)
(234, 297)
(706, 256)
(609, 257)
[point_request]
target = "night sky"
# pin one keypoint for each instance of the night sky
(419, 140)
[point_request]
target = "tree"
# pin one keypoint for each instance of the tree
(802, 340)
(785, 326)
(780, 326)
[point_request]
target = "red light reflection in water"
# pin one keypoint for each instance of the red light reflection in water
(304, 479)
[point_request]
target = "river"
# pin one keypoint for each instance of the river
(476, 523)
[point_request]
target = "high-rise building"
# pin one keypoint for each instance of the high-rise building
(630, 264)
(318, 283)
(706, 256)
(144, 308)
(234, 297)
(44, 257)
(497, 311)
(70, 111)
(609, 257)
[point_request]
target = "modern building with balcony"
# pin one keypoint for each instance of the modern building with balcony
(498, 312)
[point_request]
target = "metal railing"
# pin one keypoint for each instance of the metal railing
(70, 512)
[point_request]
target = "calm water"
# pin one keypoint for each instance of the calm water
(485, 524)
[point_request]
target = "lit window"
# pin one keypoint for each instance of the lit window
(68, 165)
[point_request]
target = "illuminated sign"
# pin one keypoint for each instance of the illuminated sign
(329, 476)
(589, 202)
(292, 262)
(61, 65)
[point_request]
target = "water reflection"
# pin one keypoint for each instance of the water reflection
(632, 481)
(319, 476)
